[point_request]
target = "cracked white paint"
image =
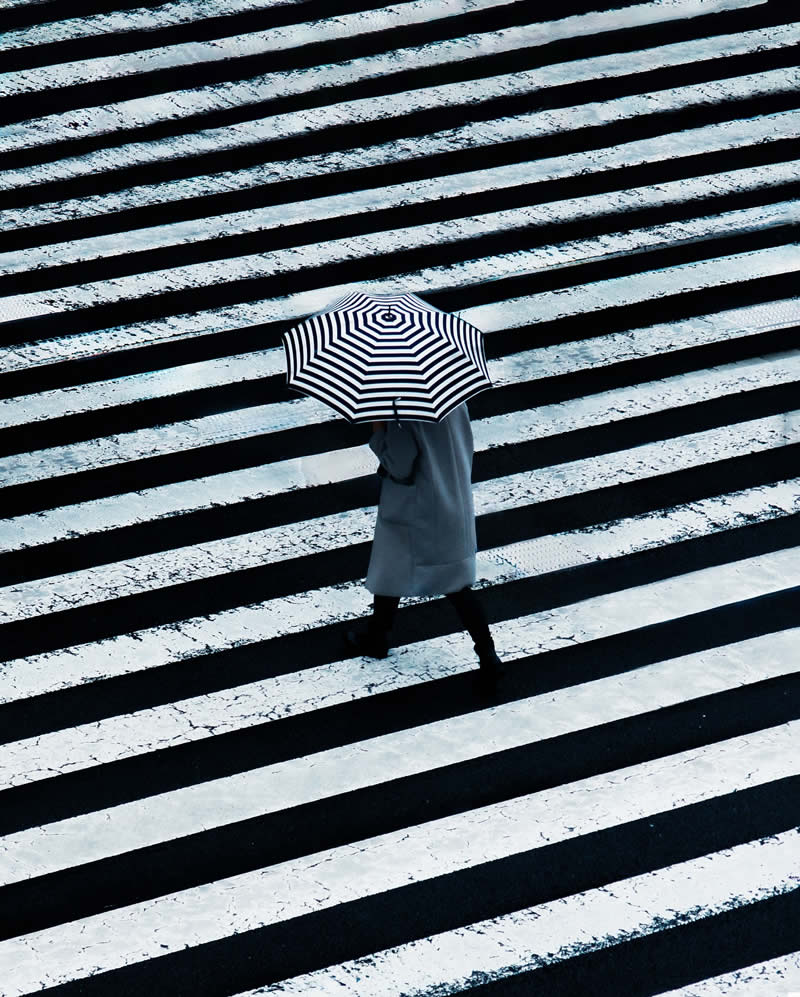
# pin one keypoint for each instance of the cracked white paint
(582, 298)
(525, 939)
(772, 978)
(295, 306)
(392, 756)
(709, 138)
(160, 645)
(323, 880)
(164, 383)
(227, 488)
(289, 36)
(149, 572)
(514, 368)
(642, 398)
(484, 133)
(520, 262)
(575, 925)
(343, 26)
(336, 206)
(157, 108)
(541, 307)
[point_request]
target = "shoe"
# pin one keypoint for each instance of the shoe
(369, 643)
(490, 670)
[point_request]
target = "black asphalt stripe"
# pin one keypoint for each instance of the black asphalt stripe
(493, 529)
(189, 861)
(513, 525)
(682, 955)
(616, 318)
(348, 931)
(25, 106)
(638, 262)
(211, 672)
(321, 500)
(197, 348)
(678, 954)
(770, 702)
(157, 305)
(386, 265)
(509, 398)
(337, 50)
(203, 402)
(538, 192)
(524, 237)
(389, 264)
(312, 54)
(272, 16)
(417, 124)
(136, 474)
(207, 673)
(472, 158)
(203, 73)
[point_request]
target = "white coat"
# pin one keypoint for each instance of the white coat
(424, 541)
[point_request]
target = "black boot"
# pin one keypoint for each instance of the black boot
(473, 617)
(374, 640)
(374, 643)
(490, 666)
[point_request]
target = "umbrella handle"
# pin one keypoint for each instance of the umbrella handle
(396, 416)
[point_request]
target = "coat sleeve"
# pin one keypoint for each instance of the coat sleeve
(397, 451)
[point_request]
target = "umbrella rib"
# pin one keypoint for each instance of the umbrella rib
(366, 350)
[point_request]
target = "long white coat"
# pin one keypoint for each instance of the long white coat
(424, 541)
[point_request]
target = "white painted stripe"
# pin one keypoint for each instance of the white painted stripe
(96, 743)
(709, 138)
(163, 645)
(615, 292)
(145, 111)
(15, 3)
(274, 217)
(541, 259)
(358, 765)
(548, 361)
(600, 921)
(178, 565)
(560, 930)
(302, 33)
(297, 472)
(470, 136)
(125, 64)
(231, 487)
(293, 307)
(321, 881)
(165, 382)
(774, 978)
(635, 400)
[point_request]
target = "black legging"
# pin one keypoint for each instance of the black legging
(466, 603)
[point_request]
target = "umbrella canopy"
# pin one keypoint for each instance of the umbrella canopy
(386, 356)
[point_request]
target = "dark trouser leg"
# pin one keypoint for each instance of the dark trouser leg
(384, 608)
(472, 615)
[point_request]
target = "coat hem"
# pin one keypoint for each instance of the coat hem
(434, 579)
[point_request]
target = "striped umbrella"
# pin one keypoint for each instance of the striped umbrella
(386, 356)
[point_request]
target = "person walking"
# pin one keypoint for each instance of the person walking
(424, 541)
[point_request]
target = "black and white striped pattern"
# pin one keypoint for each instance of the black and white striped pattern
(386, 356)
(201, 793)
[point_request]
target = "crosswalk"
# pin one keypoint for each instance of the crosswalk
(201, 791)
